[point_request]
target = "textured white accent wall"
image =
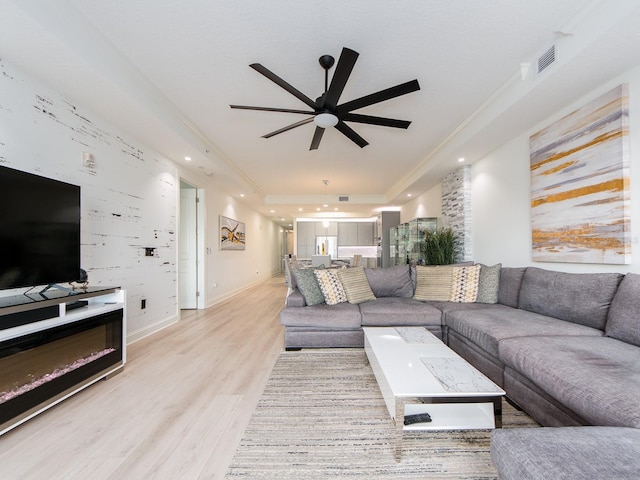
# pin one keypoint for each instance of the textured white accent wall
(501, 194)
(129, 201)
(128, 198)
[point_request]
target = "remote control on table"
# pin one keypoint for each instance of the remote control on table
(417, 418)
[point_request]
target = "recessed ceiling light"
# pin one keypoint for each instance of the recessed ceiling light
(282, 219)
(242, 194)
(461, 159)
(336, 209)
(300, 209)
(317, 209)
(188, 159)
(325, 205)
(409, 195)
(272, 211)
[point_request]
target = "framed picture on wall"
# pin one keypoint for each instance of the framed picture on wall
(580, 175)
(232, 234)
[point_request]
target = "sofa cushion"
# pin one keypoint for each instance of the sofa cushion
(510, 282)
(308, 285)
(464, 284)
(446, 307)
(434, 283)
(596, 377)
(575, 297)
(355, 284)
(487, 326)
(623, 321)
(566, 453)
(330, 286)
(341, 316)
(387, 311)
(390, 282)
(489, 283)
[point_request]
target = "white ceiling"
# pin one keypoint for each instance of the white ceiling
(166, 71)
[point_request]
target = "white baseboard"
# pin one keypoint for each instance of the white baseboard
(238, 291)
(133, 337)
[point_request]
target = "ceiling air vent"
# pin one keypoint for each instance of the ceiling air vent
(343, 198)
(547, 59)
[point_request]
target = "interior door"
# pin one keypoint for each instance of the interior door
(188, 245)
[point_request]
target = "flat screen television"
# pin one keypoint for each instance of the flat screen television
(39, 230)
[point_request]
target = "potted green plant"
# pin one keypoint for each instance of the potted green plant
(439, 247)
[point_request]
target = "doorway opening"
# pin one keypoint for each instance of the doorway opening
(191, 248)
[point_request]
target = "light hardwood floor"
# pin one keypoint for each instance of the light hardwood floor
(177, 411)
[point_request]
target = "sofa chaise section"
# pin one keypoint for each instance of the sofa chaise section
(476, 334)
(322, 326)
(593, 380)
(568, 453)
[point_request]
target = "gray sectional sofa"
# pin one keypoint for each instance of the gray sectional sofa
(324, 326)
(565, 347)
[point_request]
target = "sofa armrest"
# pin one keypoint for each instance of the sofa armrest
(296, 299)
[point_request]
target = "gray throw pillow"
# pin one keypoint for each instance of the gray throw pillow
(390, 281)
(489, 283)
(308, 285)
(623, 321)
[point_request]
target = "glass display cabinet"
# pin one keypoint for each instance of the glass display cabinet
(406, 238)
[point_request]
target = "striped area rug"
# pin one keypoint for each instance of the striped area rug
(322, 416)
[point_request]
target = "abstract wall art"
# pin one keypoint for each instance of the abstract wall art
(232, 234)
(580, 193)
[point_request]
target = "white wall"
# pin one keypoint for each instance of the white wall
(501, 194)
(129, 201)
(229, 271)
(427, 205)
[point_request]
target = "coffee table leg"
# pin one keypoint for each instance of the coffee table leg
(400, 403)
(497, 411)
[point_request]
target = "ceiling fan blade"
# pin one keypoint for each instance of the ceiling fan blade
(288, 127)
(371, 120)
(351, 134)
(270, 109)
(317, 136)
(380, 96)
(281, 83)
(343, 70)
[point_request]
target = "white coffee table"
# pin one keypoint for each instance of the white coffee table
(418, 373)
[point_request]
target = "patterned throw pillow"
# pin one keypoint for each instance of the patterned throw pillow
(434, 283)
(355, 284)
(489, 283)
(465, 284)
(308, 285)
(330, 286)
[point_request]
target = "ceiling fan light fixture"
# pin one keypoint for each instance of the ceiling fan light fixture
(325, 120)
(326, 107)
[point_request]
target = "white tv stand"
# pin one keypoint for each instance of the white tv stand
(49, 352)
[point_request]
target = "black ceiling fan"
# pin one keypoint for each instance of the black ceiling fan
(325, 110)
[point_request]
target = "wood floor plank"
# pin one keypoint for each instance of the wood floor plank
(177, 411)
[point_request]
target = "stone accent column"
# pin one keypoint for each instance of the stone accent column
(456, 209)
